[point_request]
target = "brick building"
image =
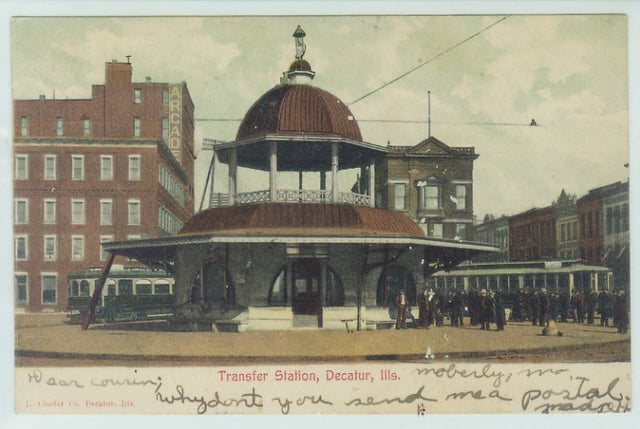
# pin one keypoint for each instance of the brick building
(432, 183)
(616, 234)
(493, 231)
(532, 235)
(114, 167)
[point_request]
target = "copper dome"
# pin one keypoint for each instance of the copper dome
(284, 219)
(299, 109)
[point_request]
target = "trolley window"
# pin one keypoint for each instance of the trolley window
(161, 288)
(84, 288)
(125, 287)
(143, 287)
(74, 288)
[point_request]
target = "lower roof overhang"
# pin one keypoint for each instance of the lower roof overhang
(162, 251)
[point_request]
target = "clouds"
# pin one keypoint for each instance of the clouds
(569, 72)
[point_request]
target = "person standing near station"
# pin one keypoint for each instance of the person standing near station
(621, 313)
(604, 307)
(402, 304)
(591, 299)
(501, 318)
(423, 309)
(543, 307)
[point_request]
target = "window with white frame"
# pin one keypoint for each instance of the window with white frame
(461, 231)
(104, 239)
(137, 96)
(24, 126)
(399, 196)
(77, 167)
(106, 167)
(22, 167)
(49, 288)
(77, 212)
(134, 167)
(50, 247)
(59, 126)
(77, 247)
(49, 217)
(86, 127)
(50, 167)
(106, 212)
(461, 197)
(165, 97)
(438, 230)
(21, 244)
(431, 199)
(21, 284)
(137, 124)
(133, 212)
(21, 216)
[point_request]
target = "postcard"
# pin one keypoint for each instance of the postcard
(418, 215)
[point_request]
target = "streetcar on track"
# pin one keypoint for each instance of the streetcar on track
(129, 293)
(555, 276)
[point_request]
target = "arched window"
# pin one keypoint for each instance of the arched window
(84, 288)
(213, 285)
(143, 287)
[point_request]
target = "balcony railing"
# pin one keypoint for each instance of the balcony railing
(290, 195)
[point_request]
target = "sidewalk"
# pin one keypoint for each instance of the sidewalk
(48, 336)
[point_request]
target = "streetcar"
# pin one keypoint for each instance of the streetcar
(129, 293)
(555, 276)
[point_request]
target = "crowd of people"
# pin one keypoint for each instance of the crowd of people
(538, 307)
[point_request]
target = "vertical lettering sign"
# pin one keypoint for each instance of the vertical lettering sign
(175, 120)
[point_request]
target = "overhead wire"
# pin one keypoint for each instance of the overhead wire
(424, 63)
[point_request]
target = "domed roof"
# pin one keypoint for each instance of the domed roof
(285, 219)
(300, 65)
(299, 109)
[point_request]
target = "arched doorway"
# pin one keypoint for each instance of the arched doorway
(392, 280)
(307, 285)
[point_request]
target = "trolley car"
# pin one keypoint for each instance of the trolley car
(556, 276)
(129, 293)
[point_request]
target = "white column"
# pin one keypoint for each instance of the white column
(273, 170)
(334, 172)
(372, 183)
(233, 175)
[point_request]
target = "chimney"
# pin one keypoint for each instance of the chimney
(148, 79)
(42, 97)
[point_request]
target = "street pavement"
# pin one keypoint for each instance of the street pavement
(50, 336)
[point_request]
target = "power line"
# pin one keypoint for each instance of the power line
(399, 121)
(428, 61)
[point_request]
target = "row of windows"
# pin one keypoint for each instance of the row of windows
(50, 246)
(78, 211)
(617, 218)
(123, 287)
(429, 196)
(436, 229)
(590, 224)
(77, 167)
(168, 222)
(49, 288)
(86, 122)
(171, 184)
(569, 231)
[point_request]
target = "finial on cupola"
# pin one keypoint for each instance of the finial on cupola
(300, 46)
(300, 70)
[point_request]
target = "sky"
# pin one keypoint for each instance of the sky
(488, 76)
